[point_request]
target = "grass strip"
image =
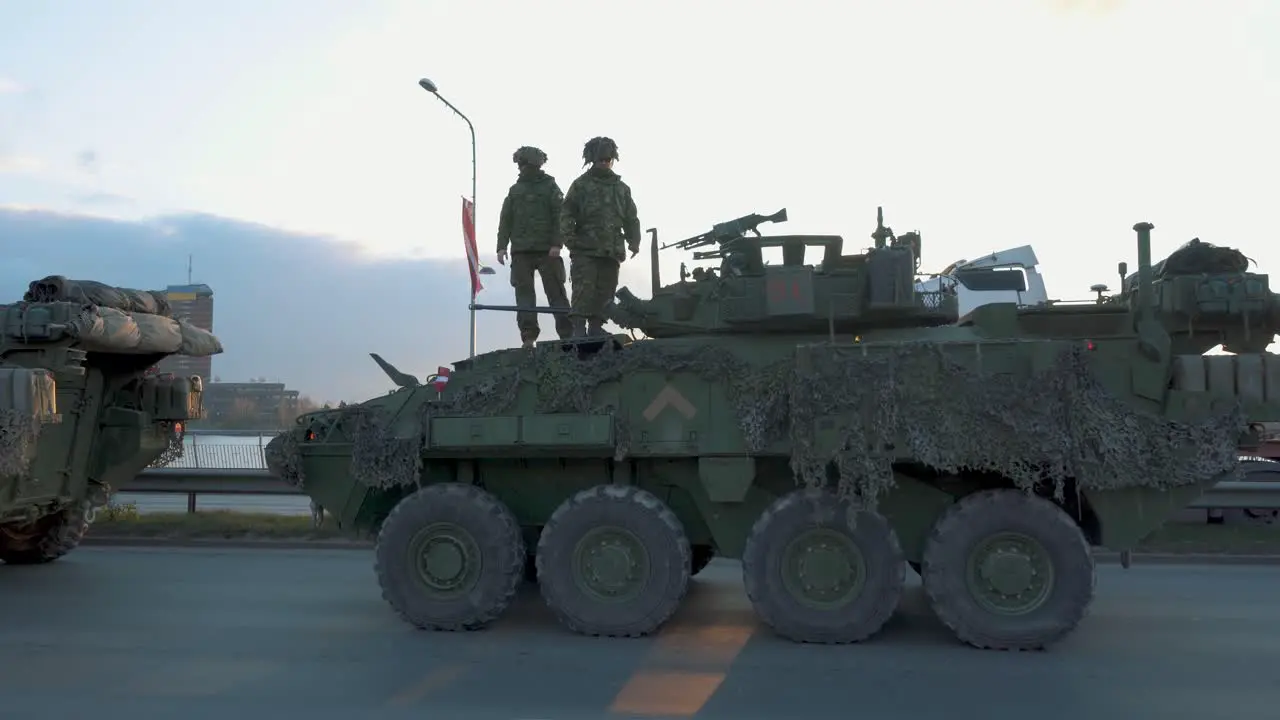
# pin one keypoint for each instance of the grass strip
(1224, 539)
(214, 524)
(126, 521)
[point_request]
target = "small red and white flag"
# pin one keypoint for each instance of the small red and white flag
(469, 240)
(442, 379)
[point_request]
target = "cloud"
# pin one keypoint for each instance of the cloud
(20, 164)
(301, 308)
(87, 160)
(9, 86)
(1086, 7)
(101, 198)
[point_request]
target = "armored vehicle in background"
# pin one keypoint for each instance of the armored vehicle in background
(80, 407)
(827, 424)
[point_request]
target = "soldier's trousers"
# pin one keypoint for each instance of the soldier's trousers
(594, 281)
(523, 266)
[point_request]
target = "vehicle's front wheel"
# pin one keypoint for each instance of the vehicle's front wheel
(450, 557)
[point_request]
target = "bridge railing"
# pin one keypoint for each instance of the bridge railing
(222, 449)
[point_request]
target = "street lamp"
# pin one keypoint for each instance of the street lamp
(431, 87)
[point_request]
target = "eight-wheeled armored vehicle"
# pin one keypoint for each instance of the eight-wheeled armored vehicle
(828, 424)
(81, 408)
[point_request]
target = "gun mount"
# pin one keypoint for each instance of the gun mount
(841, 294)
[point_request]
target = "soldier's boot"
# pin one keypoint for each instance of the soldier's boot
(578, 326)
(596, 328)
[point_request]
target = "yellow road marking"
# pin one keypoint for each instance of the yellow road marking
(673, 694)
(683, 670)
(435, 679)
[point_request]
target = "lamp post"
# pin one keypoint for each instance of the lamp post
(431, 87)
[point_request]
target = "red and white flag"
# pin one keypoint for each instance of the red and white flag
(469, 240)
(442, 379)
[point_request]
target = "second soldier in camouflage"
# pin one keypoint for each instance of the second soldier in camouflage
(530, 226)
(598, 222)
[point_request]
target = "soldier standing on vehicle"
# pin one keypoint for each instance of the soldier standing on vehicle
(530, 225)
(597, 218)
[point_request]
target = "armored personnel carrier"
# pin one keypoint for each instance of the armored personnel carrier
(81, 408)
(827, 424)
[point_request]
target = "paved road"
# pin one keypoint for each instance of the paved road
(132, 633)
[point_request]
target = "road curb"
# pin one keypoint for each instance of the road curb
(1106, 557)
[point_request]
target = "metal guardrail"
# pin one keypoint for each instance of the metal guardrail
(194, 482)
(1235, 495)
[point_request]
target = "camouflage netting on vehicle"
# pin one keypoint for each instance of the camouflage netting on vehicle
(176, 449)
(916, 401)
(379, 458)
(56, 288)
(18, 434)
(913, 401)
(283, 457)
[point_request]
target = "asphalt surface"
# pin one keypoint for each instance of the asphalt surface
(160, 633)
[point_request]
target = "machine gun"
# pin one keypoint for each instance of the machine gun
(727, 232)
(884, 236)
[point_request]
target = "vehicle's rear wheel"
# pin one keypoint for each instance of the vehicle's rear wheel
(46, 539)
(450, 557)
(818, 570)
(613, 560)
(1006, 570)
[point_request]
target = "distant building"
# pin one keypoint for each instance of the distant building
(249, 405)
(193, 303)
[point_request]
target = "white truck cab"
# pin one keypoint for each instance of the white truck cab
(1004, 276)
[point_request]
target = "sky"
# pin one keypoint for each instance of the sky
(985, 125)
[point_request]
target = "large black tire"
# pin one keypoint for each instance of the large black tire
(476, 545)
(627, 533)
(702, 555)
(49, 539)
(1003, 601)
(815, 526)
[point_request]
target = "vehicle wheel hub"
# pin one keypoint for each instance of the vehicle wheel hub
(823, 569)
(1010, 574)
(611, 564)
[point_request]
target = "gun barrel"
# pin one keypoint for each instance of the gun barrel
(516, 308)
(655, 278)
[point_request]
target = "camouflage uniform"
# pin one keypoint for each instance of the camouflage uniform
(598, 216)
(529, 224)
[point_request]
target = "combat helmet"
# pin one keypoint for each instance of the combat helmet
(529, 155)
(599, 149)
